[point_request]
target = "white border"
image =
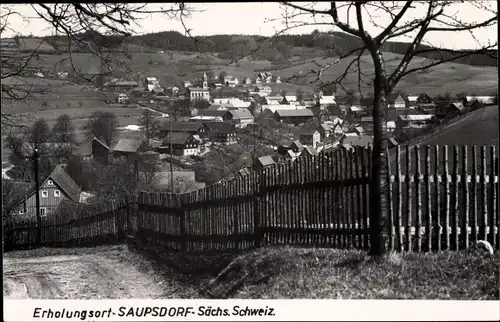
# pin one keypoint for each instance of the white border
(284, 310)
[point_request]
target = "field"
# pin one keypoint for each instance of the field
(173, 67)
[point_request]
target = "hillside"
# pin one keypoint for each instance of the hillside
(171, 67)
(480, 127)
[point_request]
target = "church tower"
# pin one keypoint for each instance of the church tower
(205, 80)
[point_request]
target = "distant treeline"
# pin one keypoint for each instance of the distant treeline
(275, 49)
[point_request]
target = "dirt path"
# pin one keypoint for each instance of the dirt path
(88, 276)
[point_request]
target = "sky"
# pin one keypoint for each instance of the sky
(266, 18)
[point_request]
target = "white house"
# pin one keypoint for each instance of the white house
(122, 98)
(196, 93)
(487, 100)
(152, 83)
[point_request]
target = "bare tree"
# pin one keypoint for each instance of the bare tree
(416, 19)
(63, 134)
(149, 124)
(103, 125)
(98, 29)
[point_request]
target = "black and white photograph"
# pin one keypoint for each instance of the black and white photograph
(250, 150)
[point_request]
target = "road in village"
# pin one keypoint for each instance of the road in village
(88, 276)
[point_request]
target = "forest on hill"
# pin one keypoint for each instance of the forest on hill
(279, 48)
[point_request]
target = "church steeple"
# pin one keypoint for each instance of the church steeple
(205, 80)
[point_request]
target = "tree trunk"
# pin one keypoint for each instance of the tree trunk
(379, 201)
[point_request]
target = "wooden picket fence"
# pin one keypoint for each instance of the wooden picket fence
(440, 199)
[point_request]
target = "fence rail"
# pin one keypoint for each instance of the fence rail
(322, 201)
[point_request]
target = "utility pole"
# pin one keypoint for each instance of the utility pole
(37, 187)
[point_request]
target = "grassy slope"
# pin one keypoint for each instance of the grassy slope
(341, 274)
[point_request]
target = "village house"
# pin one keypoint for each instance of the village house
(193, 128)
(151, 83)
(366, 122)
(325, 101)
(129, 150)
(486, 100)
(290, 97)
(221, 132)
(183, 144)
(247, 81)
(123, 98)
(452, 110)
(325, 130)
(231, 81)
(294, 116)
(93, 148)
(196, 93)
(240, 117)
(416, 121)
(58, 186)
(396, 101)
(309, 151)
(309, 137)
(277, 80)
(120, 85)
(187, 84)
(419, 100)
(264, 161)
(360, 140)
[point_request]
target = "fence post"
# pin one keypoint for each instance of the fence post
(257, 180)
(182, 217)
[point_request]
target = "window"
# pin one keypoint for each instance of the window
(43, 212)
(50, 183)
(45, 193)
(57, 193)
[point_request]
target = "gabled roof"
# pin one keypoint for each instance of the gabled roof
(213, 113)
(309, 150)
(294, 113)
(241, 114)
(219, 127)
(458, 105)
(127, 145)
(176, 138)
(362, 140)
(417, 117)
(85, 148)
(298, 144)
(266, 160)
(183, 126)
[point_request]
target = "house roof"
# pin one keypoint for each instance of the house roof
(294, 113)
(366, 119)
(241, 114)
(213, 113)
(85, 148)
(176, 138)
(309, 150)
(298, 144)
(213, 107)
(307, 130)
(183, 126)
(127, 145)
(362, 140)
(458, 105)
(266, 160)
(219, 127)
(325, 127)
(417, 117)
